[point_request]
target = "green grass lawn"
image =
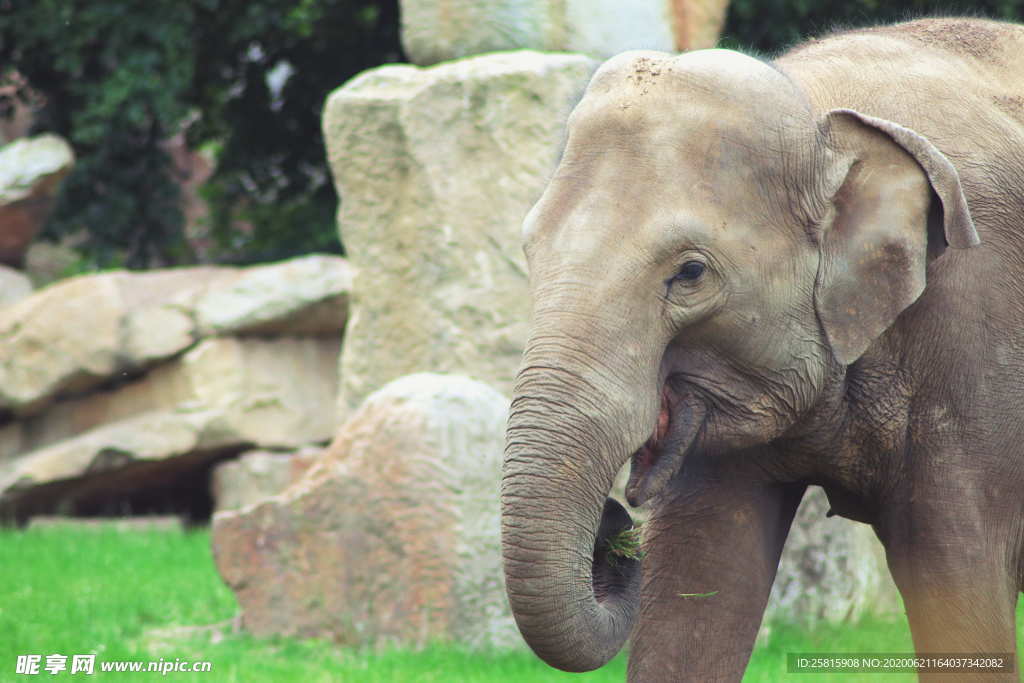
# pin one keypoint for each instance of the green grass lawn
(111, 593)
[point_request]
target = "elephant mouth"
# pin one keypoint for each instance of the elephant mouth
(653, 465)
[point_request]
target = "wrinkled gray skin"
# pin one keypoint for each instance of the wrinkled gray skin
(857, 209)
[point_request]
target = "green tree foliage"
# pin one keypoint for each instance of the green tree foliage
(112, 75)
(770, 26)
(120, 77)
(272, 172)
(248, 77)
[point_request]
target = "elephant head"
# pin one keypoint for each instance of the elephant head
(708, 257)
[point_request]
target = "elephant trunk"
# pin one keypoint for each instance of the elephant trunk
(574, 602)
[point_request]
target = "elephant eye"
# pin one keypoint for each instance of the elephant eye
(691, 270)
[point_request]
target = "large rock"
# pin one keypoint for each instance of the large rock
(274, 393)
(393, 536)
(146, 437)
(80, 332)
(271, 393)
(437, 168)
(439, 30)
(307, 295)
(31, 170)
(86, 331)
(144, 452)
(832, 570)
(254, 476)
(223, 396)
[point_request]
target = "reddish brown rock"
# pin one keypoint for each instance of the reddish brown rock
(30, 173)
(393, 536)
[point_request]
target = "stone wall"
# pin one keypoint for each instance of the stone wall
(120, 383)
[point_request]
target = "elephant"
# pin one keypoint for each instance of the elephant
(749, 277)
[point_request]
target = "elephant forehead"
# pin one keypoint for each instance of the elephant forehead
(641, 84)
(663, 147)
(700, 179)
(672, 157)
(694, 139)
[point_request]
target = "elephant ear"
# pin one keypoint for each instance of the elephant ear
(875, 249)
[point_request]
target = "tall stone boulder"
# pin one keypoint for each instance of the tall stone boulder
(393, 537)
(437, 168)
(439, 30)
(832, 570)
(31, 170)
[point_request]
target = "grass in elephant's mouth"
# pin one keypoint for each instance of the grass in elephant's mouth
(625, 544)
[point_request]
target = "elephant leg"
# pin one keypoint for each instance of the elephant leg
(712, 549)
(955, 567)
